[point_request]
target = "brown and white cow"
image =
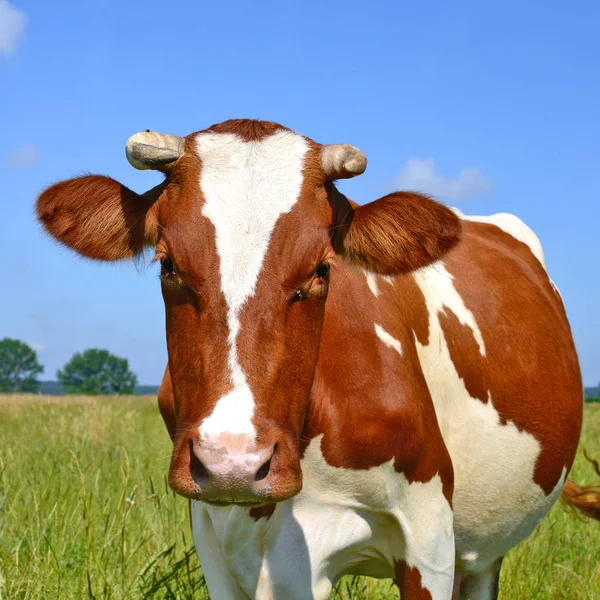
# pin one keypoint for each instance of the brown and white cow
(350, 389)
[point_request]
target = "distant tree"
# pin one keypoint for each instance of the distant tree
(19, 367)
(97, 372)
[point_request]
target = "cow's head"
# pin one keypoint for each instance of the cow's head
(246, 226)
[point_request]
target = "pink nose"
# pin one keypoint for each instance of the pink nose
(229, 477)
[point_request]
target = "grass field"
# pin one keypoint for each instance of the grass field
(85, 512)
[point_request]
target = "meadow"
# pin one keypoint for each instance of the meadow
(86, 512)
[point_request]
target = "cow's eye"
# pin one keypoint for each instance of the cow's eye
(322, 271)
(316, 287)
(167, 266)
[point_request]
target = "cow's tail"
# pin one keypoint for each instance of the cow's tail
(585, 499)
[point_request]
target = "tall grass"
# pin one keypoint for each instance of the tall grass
(85, 512)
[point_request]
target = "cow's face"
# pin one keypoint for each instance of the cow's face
(246, 226)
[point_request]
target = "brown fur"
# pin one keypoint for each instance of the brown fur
(399, 233)
(352, 399)
(408, 580)
(263, 512)
(100, 218)
(249, 130)
(166, 404)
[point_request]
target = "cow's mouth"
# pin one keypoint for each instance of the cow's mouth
(240, 503)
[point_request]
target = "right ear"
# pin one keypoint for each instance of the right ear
(99, 218)
(396, 234)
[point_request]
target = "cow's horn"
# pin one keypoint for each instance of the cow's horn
(151, 150)
(342, 161)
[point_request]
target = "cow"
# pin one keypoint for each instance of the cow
(387, 389)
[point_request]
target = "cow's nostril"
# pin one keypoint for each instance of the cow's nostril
(197, 469)
(264, 470)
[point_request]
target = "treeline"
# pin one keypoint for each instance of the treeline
(592, 394)
(55, 388)
(93, 371)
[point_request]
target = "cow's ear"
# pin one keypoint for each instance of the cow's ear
(99, 218)
(396, 234)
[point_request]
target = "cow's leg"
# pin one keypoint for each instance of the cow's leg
(410, 583)
(221, 585)
(458, 577)
(427, 570)
(422, 582)
(482, 586)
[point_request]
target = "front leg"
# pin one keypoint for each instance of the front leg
(409, 580)
(425, 570)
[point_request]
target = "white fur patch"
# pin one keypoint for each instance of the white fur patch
(372, 283)
(247, 186)
(445, 295)
(375, 516)
(387, 339)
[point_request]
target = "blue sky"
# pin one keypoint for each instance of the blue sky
(490, 107)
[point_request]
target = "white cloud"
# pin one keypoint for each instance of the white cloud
(12, 26)
(37, 346)
(23, 156)
(420, 174)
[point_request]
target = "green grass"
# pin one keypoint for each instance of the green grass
(85, 512)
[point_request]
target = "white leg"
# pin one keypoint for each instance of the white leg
(425, 563)
(429, 576)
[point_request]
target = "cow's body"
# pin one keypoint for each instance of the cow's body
(483, 337)
(351, 389)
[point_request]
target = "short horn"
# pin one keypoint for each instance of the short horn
(151, 150)
(342, 161)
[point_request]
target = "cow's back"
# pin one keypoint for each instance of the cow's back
(497, 353)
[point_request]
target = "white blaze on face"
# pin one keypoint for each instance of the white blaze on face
(247, 186)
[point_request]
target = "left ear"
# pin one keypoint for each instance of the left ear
(396, 234)
(100, 218)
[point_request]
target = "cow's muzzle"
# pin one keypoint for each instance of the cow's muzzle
(216, 475)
